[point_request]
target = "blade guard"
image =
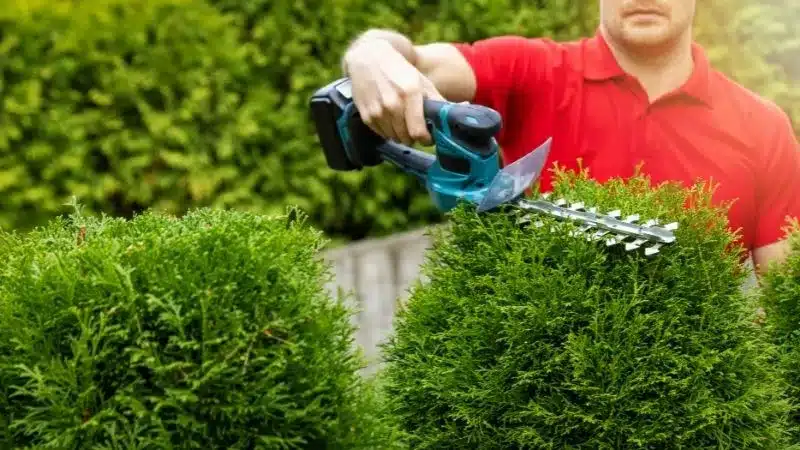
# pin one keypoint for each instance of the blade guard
(510, 182)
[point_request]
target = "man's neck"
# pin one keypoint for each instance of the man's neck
(659, 72)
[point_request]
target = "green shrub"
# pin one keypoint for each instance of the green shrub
(211, 331)
(780, 297)
(525, 337)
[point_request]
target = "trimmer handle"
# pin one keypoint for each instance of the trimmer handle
(463, 165)
(471, 126)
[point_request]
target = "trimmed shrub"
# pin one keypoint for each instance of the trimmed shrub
(207, 332)
(780, 297)
(526, 337)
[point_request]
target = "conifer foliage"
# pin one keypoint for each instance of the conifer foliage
(529, 338)
(780, 291)
(210, 331)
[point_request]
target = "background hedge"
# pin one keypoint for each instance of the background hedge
(173, 104)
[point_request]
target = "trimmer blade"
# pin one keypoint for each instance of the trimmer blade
(513, 179)
(610, 228)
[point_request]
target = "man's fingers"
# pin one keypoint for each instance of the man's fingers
(406, 83)
(395, 107)
(371, 116)
(430, 90)
(391, 103)
(369, 109)
(415, 119)
(380, 109)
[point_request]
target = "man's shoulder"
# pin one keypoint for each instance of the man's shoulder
(567, 55)
(570, 47)
(517, 42)
(759, 120)
(541, 53)
(732, 95)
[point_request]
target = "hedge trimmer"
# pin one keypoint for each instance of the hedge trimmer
(466, 165)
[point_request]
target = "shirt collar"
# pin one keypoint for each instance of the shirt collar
(600, 65)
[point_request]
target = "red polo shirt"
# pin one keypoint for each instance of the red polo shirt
(710, 129)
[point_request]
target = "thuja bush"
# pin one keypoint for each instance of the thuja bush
(780, 297)
(527, 337)
(207, 332)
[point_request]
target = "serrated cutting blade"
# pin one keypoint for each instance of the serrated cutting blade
(512, 180)
(612, 228)
(609, 226)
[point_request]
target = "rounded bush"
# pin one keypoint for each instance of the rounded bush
(211, 331)
(527, 337)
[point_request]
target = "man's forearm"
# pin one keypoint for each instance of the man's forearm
(398, 41)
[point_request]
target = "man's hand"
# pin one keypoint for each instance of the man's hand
(770, 254)
(391, 76)
(388, 91)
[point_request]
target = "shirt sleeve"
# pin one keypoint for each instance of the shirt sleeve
(504, 65)
(778, 188)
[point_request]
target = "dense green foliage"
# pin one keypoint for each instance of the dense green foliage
(526, 337)
(127, 105)
(780, 292)
(201, 103)
(207, 332)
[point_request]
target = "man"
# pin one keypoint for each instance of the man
(638, 93)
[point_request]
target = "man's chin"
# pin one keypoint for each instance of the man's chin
(644, 37)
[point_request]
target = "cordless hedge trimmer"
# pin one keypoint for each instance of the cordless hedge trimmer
(466, 165)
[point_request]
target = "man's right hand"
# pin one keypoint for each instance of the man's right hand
(390, 77)
(388, 91)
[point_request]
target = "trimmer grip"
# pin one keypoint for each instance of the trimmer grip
(474, 126)
(431, 109)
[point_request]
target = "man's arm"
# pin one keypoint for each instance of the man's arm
(768, 254)
(487, 71)
(440, 62)
(778, 190)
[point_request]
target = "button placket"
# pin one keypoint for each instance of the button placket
(639, 117)
(641, 149)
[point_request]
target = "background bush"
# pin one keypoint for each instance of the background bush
(213, 331)
(525, 337)
(173, 104)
